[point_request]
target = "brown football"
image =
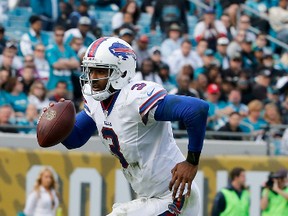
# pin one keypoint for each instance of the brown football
(56, 123)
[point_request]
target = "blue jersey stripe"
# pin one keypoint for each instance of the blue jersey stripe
(151, 101)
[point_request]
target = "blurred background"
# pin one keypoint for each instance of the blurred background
(233, 54)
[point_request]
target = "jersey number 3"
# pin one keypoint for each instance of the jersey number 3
(108, 133)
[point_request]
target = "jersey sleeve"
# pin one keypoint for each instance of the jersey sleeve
(149, 94)
(143, 96)
(87, 105)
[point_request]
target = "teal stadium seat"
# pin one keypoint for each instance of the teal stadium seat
(17, 23)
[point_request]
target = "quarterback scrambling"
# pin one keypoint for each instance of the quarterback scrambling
(133, 121)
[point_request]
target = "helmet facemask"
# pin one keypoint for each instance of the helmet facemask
(87, 83)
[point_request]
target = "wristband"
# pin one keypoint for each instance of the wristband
(193, 157)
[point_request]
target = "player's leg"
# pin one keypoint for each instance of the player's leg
(191, 205)
(141, 206)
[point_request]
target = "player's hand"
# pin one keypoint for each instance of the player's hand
(183, 173)
(51, 104)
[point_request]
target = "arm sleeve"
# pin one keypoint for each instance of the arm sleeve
(30, 204)
(191, 111)
(83, 129)
(219, 205)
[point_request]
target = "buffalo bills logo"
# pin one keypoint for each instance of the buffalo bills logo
(173, 209)
(120, 50)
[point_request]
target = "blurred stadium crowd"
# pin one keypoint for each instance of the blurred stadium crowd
(214, 49)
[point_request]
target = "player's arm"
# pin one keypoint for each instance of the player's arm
(193, 112)
(83, 129)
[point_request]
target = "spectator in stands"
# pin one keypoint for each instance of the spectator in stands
(254, 121)
(209, 29)
(3, 39)
(141, 49)
(33, 37)
(261, 9)
(82, 31)
(258, 54)
(201, 84)
(234, 102)
(4, 77)
(147, 6)
(244, 85)
(208, 60)
(15, 96)
(6, 115)
(212, 96)
(272, 115)
(29, 63)
(248, 57)
(261, 42)
(167, 12)
(12, 46)
(274, 195)
(231, 7)
(269, 64)
(230, 29)
(200, 50)
(61, 91)
(38, 96)
(76, 44)
(184, 55)
(131, 8)
(44, 197)
(232, 125)
(9, 61)
(233, 105)
(156, 57)
(48, 10)
(41, 64)
(221, 53)
(278, 20)
(82, 11)
(189, 71)
(167, 81)
(234, 45)
(275, 97)
(127, 35)
(244, 24)
(232, 73)
(273, 118)
(63, 19)
(30, 119)
(62, 60)
(147, 72)
(183, 86)
(262, 82)
(27, 78)
(212, 72)
(173, 41)
(235, 198)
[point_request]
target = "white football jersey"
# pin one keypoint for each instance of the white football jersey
(145, 147)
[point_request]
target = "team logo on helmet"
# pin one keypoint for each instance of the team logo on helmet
(121, 50)
(172, 208)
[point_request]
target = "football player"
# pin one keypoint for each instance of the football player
(133, 121)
